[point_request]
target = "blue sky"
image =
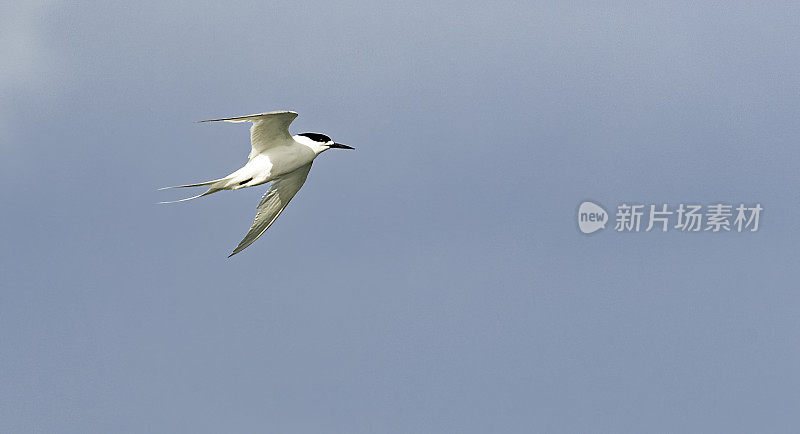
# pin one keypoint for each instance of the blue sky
(433, 280)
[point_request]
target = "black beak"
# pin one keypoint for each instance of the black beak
(341, 146)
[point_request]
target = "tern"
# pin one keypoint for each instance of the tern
(276, 156)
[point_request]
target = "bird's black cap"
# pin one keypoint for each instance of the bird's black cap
(317, 137)
(322, 138)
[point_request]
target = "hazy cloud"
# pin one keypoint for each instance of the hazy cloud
(26, 56)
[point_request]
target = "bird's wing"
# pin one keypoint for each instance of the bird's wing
(268, 130)
(280, 192)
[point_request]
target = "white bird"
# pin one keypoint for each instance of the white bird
(276, 156)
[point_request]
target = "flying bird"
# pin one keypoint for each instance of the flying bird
(276, 156)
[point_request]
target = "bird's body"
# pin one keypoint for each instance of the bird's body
(270, 164)
(275, 156)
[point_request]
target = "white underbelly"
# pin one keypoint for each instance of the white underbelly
(281, 160)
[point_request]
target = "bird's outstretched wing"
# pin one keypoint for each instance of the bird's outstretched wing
(268, 130)
(280, 192)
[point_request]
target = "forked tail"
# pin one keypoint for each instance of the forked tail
(210, 190)
(199, 184)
